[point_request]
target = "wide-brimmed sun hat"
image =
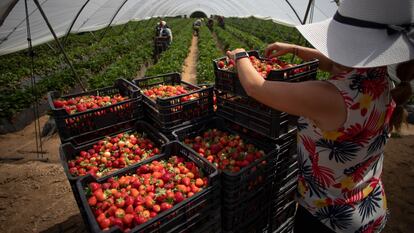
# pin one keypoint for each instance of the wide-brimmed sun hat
(366, 33)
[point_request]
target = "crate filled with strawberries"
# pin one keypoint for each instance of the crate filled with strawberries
(176, 191)
(170, 102)
(111, 153)
(270, 69)
(92, 110)
(247, 167)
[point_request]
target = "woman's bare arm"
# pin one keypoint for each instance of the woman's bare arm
(317, 100)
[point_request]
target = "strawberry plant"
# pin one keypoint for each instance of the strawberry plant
(207, 52)
(251, 41)
(229, 41)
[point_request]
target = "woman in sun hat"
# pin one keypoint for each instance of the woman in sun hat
(345, 121)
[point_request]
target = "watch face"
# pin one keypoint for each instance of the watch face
(241, 55)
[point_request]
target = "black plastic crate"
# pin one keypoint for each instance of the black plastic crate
(228, 81)
(287, 227)
(72, 125)
(89, 137)
(69, 151)
(259, 224)
(282, 215)
(286, 178)
(194, 214)
(239, 185)
(236, 214)
(253, 115)
(172, 111)
(160, 45)
(247, 189)
(284, 195)
(288, 148)
(168, 132)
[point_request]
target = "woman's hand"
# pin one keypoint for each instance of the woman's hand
(231, 54)
(278, 49)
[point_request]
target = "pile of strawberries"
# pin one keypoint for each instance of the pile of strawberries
(84, 103)
(226, 151)
(263, 67)
(166, 91)
(112, 153)
(131, 200)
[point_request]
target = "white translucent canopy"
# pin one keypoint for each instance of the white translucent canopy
(97, 14)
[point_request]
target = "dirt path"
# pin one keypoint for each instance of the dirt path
(189, 73)
(36, 196)
(23, 143)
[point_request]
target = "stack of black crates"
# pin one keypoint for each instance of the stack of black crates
(273, 128)
(82, 130)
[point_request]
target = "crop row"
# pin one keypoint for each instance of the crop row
(208, 51)
(228, 40)
(267, 30)
(99, 64)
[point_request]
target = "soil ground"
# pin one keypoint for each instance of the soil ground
(190, 64)
(35, 196)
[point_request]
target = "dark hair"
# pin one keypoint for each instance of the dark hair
(402, 93)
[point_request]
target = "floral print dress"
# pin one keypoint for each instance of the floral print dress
(340, 171)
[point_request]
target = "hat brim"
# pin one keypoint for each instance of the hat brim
(356, 46)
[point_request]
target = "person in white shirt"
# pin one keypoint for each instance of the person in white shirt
(166, 32)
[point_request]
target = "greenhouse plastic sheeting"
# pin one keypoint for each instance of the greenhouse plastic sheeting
(98, 13)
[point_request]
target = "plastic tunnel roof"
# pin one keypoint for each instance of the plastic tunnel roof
(97, 14)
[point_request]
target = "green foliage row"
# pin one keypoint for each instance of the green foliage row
(267, 30)
(140, 53)
(208, 51)
(228, 40)
(252, 42)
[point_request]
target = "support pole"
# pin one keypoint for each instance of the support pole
(112, 19)
(296, 13)
(73, 23)
(39, 148)
(311, 2)
(59, 44)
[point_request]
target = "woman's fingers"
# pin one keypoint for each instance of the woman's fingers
(278, 53)
(270, 48)
(278, 49)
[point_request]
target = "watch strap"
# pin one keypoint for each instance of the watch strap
(240, 55)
